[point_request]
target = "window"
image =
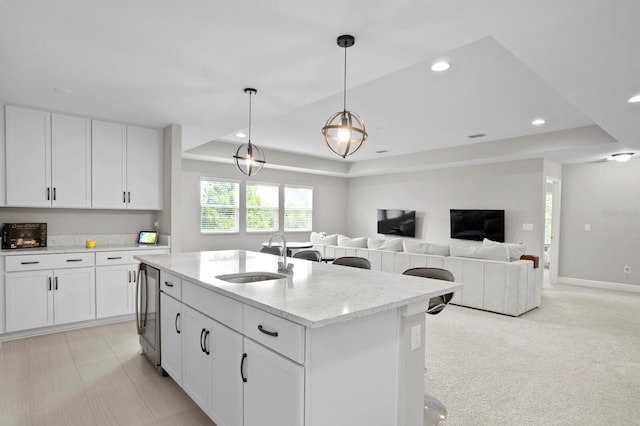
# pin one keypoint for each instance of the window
(262, 207)
(298, 208)
(218, 205)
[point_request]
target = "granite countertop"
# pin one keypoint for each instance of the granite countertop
(316, 295)
(77, 249)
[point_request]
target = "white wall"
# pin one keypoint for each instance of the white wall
(329, 205)
(606, 196)
(86, 222)
(516, 187)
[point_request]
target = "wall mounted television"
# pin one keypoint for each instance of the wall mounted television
(477, 225)
(397, 222)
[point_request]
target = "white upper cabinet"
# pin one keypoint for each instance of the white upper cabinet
(70, 161)
(127, 167)
(144, 168)
(109, 143)
(48, 158)
(28, 157)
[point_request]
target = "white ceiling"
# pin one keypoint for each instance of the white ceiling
(156, 62)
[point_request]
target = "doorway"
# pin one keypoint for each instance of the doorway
(552, 228)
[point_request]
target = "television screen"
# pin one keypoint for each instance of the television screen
(397, 222)
(477, 224)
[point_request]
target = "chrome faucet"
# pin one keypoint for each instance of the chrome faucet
(282, 265)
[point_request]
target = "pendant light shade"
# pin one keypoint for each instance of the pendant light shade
(249, 158)
(344, 131)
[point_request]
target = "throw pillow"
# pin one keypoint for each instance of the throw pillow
(420, 247)
(357, 242)
(394, 244)
(438, 249)
(316, 237)
(480, 252)
(330, 240)
(514, 250)
(411, 246)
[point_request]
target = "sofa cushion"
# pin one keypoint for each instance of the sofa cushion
(316, 237)
(394, 244)
(323, 238)
(357, 242)
(411, 246)
(514, 250)
(491, 252)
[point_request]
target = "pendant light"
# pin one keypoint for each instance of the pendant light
(344, 131)
(249, 158)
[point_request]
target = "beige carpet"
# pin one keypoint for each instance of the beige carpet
(573, 361)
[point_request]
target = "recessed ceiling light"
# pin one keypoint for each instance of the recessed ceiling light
(440, 66)
(241, 135)
(634, 99)
(621, 157)
(63, 90)
(538, 122)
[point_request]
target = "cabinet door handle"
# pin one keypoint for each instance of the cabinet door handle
(49, 283)
(124, 197)
(74, 260)
(114, 258)
(48, 194)
(267, 332)
(129, 272)
(128, 197)
(54, 193)
(35, 262)
(206, 337)
(244, 379)
(175, 323)
(168, 284)
(56, 280)
(202, 340)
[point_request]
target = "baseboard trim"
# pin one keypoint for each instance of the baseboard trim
(599, 284)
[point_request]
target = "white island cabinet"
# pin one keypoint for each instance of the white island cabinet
(328, 345)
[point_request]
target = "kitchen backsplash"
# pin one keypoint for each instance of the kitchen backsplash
(101, 240)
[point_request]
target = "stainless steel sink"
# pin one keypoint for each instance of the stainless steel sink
(250, 277)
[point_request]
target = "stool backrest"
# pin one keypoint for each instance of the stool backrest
(354, 261)
(438, 303)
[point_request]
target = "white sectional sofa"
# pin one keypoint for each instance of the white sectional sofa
(506, 287)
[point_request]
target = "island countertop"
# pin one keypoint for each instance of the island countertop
(315, 295)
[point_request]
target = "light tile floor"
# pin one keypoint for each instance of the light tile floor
(90, 376)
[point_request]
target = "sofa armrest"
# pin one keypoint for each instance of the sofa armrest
(534, 259)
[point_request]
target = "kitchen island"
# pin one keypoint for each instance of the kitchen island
(326, 345)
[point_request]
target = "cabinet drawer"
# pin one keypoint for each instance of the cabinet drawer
(114, 258)
(32, 262)
(171, 284)
(277, 333)
(221, 308)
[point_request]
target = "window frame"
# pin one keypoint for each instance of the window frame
(247, 207)
(237, 206)
(284, 208)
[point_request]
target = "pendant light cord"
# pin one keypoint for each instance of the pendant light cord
(344, 99)
(250, 118)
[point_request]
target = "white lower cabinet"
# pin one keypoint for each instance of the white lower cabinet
(115, 290)
(226, 393)
(74, 295)
(274, 388)
(209, 349)
(196, 362)
(42, 298)
(29, 300)
(171, 336)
